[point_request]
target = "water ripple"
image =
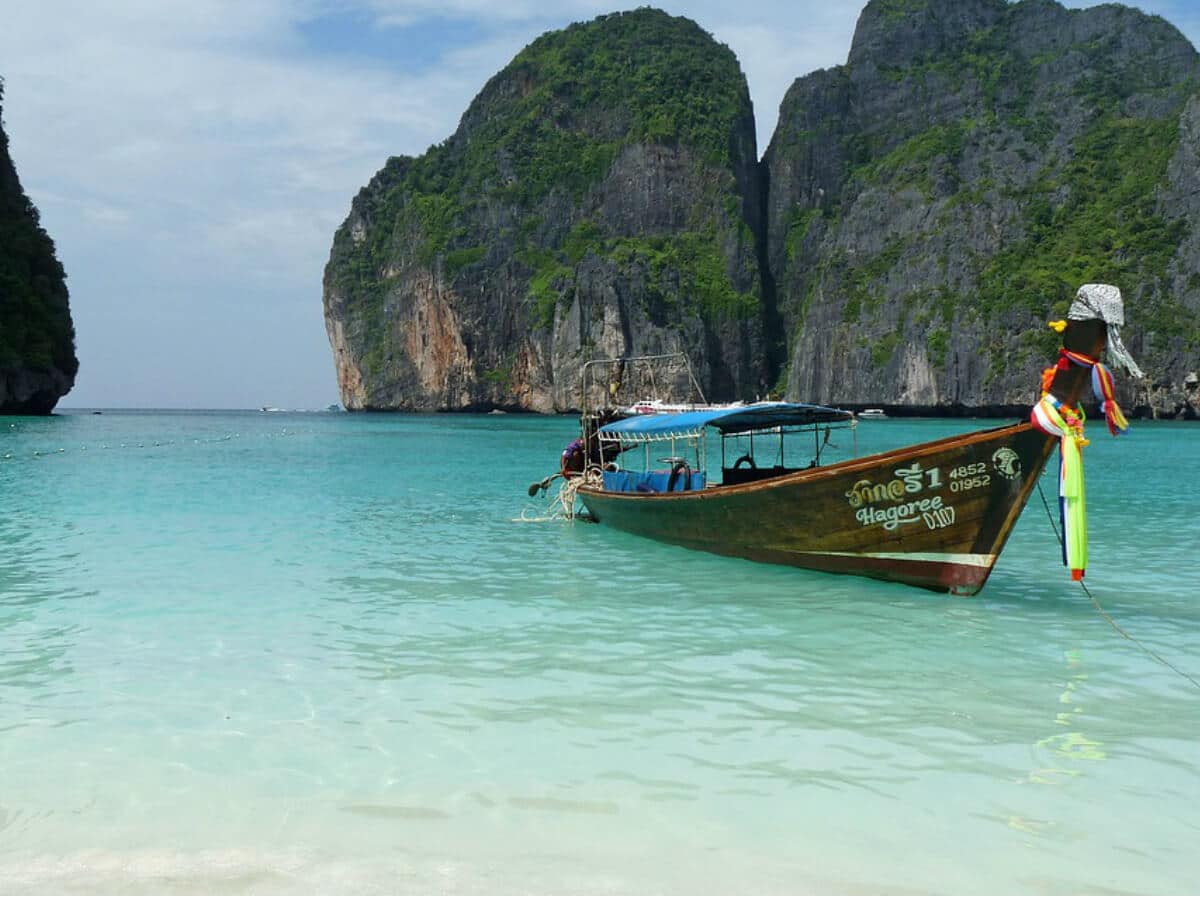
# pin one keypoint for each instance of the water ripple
(240, 636)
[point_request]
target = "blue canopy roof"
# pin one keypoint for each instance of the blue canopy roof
(732, 420)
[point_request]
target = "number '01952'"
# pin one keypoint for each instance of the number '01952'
(969, 477)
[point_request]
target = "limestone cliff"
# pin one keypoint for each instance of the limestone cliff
(37, 337)
(974, 161)
(920, 212)
(599, 198)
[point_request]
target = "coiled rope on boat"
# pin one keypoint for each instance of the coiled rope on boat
(563, 504)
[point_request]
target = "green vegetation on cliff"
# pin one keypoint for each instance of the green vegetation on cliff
(952, 186)
(556, 117)
(1107, 228)
(929, 204)
(35, 323)
(525, 190)
(654, 78)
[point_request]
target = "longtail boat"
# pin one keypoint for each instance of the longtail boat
(935, 515)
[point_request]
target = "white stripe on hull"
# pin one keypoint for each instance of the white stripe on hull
(981, 560)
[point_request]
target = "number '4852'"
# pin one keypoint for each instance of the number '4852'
(968, 470)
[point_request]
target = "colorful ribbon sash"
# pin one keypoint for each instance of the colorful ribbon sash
(1050, 416)
(1102, 386)
(1053, 418)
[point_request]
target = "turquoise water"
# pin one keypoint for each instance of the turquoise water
(265, 652)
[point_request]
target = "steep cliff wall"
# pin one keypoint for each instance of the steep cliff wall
(920, 212)
(37, 338)
(600, 197)
(972, 163)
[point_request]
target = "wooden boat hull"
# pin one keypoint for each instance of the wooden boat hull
(933, 515)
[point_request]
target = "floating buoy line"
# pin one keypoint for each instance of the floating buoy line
(1116, 627)
(11, 456)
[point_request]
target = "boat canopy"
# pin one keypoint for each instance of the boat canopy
(757, 417)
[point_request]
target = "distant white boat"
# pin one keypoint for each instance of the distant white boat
(651, 407)
(271, 409)
(872, 414)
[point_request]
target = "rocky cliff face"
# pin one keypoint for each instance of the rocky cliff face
(920, 212)
(600, 198)
(936, 198)
(37, 338)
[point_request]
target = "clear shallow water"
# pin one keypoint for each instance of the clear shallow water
(245, 652)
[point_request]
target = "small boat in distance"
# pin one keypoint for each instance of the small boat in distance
(648, 407)
(873, 413)
(935, 515)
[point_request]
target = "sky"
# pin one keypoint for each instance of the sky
(193, 159)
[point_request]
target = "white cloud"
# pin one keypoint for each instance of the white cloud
(198, 169)
(403, 13)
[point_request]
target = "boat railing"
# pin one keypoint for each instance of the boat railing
(689, 446)
(656, 376)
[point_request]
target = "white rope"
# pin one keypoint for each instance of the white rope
(563, 504)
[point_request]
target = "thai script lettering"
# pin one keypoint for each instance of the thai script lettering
(866, 492)
(914, 477)
(909, 480)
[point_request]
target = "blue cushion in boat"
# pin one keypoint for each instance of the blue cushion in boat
(649, 482)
